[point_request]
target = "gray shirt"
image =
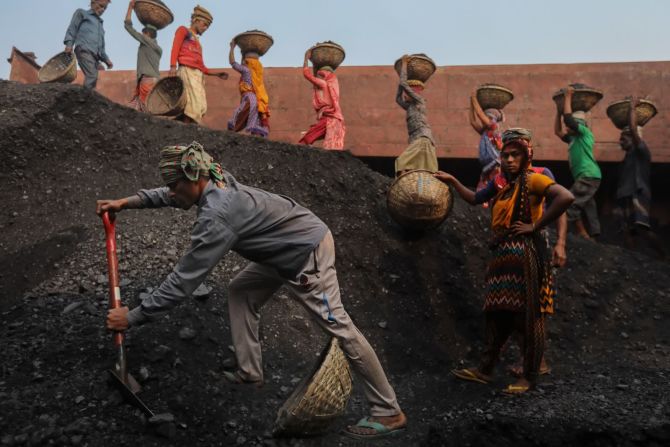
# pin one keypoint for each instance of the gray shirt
(148, 55)
(86, 31)
(417, 124)
(263, 227)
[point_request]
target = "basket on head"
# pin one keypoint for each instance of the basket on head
(168, 97)
(60, 68)
(327, 53)
(419, 67)
(254, 41)
(319, 399)
(584, 98)
(494, 96)
(153, 12)
(618, 112)
(419, 201)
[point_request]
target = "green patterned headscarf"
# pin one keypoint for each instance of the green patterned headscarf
(190, 162)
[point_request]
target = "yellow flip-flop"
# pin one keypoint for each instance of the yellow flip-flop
(514, 390)
(468, 374)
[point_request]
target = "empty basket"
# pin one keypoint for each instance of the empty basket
(618, 112)
(319, 399)
(254, 41)
(419, 67)
(327, 53)
(60, 68)
(153, 12)
(419, 201)
(168, 97)
(494, 96)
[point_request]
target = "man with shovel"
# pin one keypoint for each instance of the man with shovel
(286, 244)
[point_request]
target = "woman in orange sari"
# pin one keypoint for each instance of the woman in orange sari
(519, 289)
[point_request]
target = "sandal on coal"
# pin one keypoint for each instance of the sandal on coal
(471, 375)
(380, 430)
(514, 390)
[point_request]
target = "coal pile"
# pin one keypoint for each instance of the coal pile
(417, 298)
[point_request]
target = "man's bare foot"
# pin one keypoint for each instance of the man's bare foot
(519, 387)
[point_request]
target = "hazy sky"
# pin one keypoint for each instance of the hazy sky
(376, 32)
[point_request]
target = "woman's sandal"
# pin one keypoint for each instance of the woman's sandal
(470, 375)
(515, 390)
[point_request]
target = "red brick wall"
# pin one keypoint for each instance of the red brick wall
(376, 125)
(23, 70)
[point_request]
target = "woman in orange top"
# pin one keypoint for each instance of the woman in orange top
(519, 287)
(186, 50)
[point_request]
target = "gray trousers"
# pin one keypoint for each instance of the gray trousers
(584, 189)
(88, 64)
(317, 290)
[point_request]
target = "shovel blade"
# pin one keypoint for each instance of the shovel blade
(128, 393)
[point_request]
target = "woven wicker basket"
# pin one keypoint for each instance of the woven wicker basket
(319, 399)
(419, 67)
(153, 12)
(618, 112)
(60, 68)
(168, 97)
(494, 96)
(327, 53)
(584, 98)
(254, 41)
(419, 201)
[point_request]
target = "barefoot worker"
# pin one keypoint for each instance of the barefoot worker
(420, 154)
(329, 124)
(518, 277)
(252, 115)
(87, 36)
(583, 166)
(286, 244)
(148, 59)
(187, 51)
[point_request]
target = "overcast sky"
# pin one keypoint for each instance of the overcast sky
(376, 32)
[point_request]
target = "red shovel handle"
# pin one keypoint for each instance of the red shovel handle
(113, 268)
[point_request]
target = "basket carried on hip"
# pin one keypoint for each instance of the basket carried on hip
(168, 97)
(618, 112)
(254, 41)
(327, 54)
(418, 201)
(60, 68)
(583, 99)
(494, 96)
(319, 399)
(153, 12)
(419, 67)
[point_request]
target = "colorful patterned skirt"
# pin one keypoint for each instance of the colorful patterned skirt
(519, 276)
(247, 118)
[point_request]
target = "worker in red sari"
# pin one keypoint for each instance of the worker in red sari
(326, 101)
(187, 51)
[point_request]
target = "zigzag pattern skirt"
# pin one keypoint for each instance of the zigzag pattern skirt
(516, 279)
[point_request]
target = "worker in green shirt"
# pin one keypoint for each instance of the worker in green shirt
(585, 171)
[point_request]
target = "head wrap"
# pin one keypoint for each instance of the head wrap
(201, 13)
(326, 68)
(190, 162)
(579, 115)
(150, 26)
(256, 69)
(415, 83)
(495, 114)
(251, 55)
(520, 137)
(626, 130)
